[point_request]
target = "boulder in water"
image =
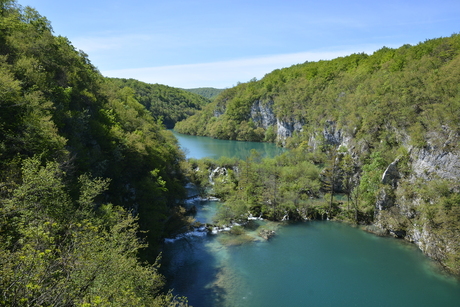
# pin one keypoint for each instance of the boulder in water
(266, 233)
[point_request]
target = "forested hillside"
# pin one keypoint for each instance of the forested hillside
(414, 88)
(383, 129)
(80, 157)
(207, 92)
(165, 103)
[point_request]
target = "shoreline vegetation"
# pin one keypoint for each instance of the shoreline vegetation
(295, 186)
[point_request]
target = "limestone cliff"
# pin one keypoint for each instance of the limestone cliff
(262, 114)
(413, 205)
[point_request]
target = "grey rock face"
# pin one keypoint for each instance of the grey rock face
(384, 200)
(262, 114)
(218, 112)
(332, 135)
(430, 160)
(286, 128)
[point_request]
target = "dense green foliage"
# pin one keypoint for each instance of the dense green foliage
(288, 186)
(300, 185)
(296, 185)
(412, 88)
(79, 157)
(227, 117)
(56, 251)
(167, 104)
(207, 92)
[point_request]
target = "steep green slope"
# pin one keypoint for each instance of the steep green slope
(166, 103)
(207, 92)
(414, 88)
(384, 127)
(79, 157)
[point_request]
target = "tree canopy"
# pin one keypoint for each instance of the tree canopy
(166, 104)
(207, 92)
(88, 178)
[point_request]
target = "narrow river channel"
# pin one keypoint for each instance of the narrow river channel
(316, 263)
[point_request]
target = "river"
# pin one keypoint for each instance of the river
(316, 263)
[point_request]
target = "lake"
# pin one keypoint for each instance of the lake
(315, 263)
(204, 147)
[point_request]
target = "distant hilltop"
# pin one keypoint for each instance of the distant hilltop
(207, 92)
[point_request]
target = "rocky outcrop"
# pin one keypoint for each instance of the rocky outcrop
(262, 114)
(385, 200)
(332, 135)
(398, 209)
(220, 172)
(329, 135)
(286, 128)
(429, 161)
(391, 174)
(217, 172)
(428, 242)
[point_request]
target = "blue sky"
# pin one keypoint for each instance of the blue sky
(201, 43)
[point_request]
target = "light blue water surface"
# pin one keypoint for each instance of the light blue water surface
(204, 147)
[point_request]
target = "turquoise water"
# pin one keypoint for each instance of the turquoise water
(307, 264)
(331, 264)
(313, 263)
(201, 147)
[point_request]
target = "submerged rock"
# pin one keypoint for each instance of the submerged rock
(266, 234)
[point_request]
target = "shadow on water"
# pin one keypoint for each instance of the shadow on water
(192, 270)
(195, 265)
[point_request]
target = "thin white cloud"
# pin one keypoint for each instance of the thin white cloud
(102, 43)
(225, 73)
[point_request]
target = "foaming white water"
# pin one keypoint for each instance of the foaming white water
(216, 230)
(199, 199)
(197, 232)
(254, 218)
(193, 200)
